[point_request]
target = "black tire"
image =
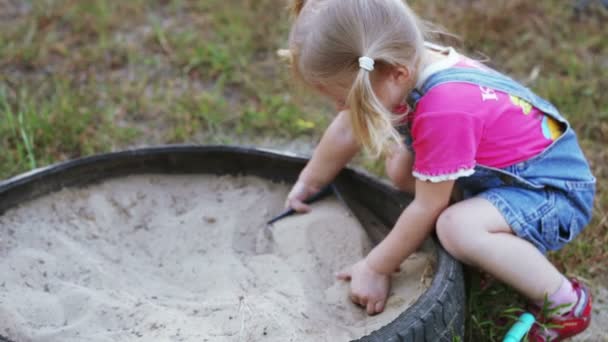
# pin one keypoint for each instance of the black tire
(438, 315)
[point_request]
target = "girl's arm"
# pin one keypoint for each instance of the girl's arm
(336, 148)
(413, 226)
(370, 277)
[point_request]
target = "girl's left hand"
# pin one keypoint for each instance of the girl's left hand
(368, 288)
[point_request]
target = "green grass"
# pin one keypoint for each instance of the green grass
(83, 77)
(45, 126)
(490, 311)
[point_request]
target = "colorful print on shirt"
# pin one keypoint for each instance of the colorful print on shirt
(458, 125)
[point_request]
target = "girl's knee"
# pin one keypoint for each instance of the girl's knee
(452, 232)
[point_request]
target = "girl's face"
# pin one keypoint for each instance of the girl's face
(390, 86)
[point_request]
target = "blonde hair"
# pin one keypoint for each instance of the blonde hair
(296, 7)
(329, 36)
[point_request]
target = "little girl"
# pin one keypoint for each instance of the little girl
(527, 186)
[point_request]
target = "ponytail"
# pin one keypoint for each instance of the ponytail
(372, 123)
(287, 55)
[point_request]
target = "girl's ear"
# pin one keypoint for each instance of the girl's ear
(401, 74)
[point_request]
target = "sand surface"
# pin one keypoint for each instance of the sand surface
(185, 258)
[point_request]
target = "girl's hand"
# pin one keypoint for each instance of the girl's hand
(298, 194)
(368, 288)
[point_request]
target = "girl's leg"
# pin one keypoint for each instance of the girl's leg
(475, 232)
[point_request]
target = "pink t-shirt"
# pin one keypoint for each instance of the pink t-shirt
(459, 125)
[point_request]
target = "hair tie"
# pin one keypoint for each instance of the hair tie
(366, 63)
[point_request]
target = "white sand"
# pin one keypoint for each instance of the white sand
(185, 258)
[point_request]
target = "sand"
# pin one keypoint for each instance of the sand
(185, 258)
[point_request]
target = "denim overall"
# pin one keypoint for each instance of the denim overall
(548, 199)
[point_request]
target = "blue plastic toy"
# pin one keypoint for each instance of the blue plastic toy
(520, 329)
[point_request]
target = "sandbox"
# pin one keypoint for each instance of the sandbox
(186, 258)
